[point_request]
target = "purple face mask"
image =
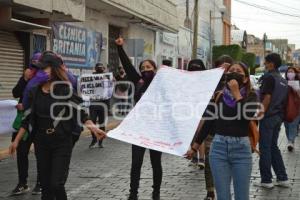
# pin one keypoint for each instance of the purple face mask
(40, 77)
(291, 76)
(229, 99)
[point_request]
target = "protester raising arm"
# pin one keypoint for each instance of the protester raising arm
(127, 65)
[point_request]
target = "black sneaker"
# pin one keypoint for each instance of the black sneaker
(20, 189)
(37, 190)
(201, 164)
(290, 147)
(210, 196)
(93, 144)
(100, 144)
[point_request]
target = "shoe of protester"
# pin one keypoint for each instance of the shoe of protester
(194, 162)
(37, 189)
(290, 147)
(265, 185)
(201, 164)
(100, 144)
(20, 189)
(210, 196)
(285, 184)
(93, 145)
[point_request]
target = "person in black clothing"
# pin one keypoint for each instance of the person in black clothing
(148, 70)
(25, 143)
(167, 62)
(122, 90)
(198, 65)
(230, 154)
(97, 112)
(274, 93)
(51, 127)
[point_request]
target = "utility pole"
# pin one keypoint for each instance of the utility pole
(195, 38)
(265, 41)
(210, 38)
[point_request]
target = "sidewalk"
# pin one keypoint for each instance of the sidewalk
(5, 139)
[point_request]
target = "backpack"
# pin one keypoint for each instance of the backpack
(292, 109)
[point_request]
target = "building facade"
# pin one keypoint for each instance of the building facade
(83, 32)
(25, 28)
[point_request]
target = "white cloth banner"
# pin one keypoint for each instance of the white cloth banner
(96, 86)
(167, 116)
(8, 113)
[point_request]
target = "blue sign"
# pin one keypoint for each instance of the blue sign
(78, 46)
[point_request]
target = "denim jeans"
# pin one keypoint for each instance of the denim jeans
(270, 154)
(291, 129)
(231, 160)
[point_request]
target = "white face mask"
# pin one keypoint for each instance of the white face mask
(291, 76)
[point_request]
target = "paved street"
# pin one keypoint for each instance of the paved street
(103, 174)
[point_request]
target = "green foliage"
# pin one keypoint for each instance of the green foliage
(235, 51)
(249, 59)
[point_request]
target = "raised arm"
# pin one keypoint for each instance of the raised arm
(127, 65)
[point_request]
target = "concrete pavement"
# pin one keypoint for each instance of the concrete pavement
(103, 174)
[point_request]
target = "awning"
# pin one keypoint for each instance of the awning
(20, 25)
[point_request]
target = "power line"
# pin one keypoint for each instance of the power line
(266, 21)
(267, 9)
(282, 5)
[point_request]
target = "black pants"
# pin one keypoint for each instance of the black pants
(22, 159)
(53, 158)
(97, 113)
(137, 161)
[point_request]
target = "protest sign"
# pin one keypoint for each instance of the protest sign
(8, 113)
(166, 117)
(96, 86)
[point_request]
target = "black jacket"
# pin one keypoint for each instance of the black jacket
(18, 90)
(65, 127)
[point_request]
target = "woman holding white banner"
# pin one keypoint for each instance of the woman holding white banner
(230, 155)
(148, 69)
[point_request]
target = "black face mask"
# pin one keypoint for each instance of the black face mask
(100, 71)
(194, 68)
(235, 76)
(148, 76)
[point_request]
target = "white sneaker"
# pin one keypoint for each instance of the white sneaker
(264, 185)
(285, 184)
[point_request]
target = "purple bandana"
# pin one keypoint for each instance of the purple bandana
(229, 99)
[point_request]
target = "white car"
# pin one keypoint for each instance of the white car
(254, 82)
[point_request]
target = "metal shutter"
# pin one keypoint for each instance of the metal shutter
(11, 63)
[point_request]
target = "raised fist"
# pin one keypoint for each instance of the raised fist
(119, 41)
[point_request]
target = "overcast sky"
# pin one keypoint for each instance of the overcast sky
(259, 21)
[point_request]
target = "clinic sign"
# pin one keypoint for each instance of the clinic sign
(78, 46)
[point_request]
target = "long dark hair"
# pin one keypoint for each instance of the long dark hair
(248, 86)
(295, 71)
(147, 60)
